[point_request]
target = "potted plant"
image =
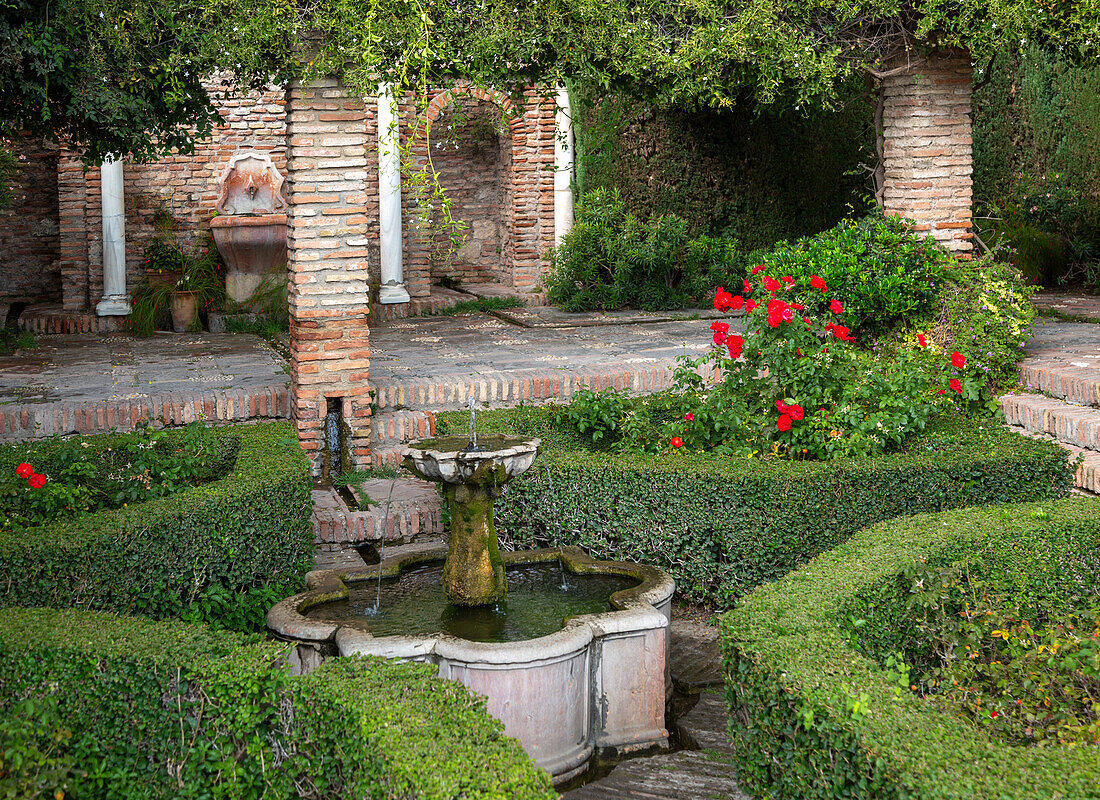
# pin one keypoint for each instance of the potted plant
(199, 286)
(163, 260)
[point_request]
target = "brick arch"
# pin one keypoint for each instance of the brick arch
(494, 96)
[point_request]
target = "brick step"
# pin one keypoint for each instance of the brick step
(415, 513)
(506, 389)
(1069, 424)
(1087, 477)
(1074, 382)
(392, 428)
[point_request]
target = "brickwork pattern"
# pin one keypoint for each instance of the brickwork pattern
(230, 405)
(29, 248)
(184, 185)
(527, 218)
(333, 182)
(474, 165)
(48, 319)
(927, 148)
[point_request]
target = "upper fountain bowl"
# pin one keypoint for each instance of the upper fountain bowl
(446, 459)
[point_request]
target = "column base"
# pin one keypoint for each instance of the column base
(391, 293)
(113, 306)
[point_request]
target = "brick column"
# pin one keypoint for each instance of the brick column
(331, 183)
(927, 148)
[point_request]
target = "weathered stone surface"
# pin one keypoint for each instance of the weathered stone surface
(695, 659)
(704, 726)
(687, 775)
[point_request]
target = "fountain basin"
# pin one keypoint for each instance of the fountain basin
(597, 685)
(252, 246)
(444, 459)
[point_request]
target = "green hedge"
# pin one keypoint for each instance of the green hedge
(814, 718)
(222, 551)
(724, 526)
(95, 705)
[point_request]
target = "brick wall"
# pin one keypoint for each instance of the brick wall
(527, 193)
(927, 147)
(184, 185)
(473, 160)
(28, 227)
(331, 243)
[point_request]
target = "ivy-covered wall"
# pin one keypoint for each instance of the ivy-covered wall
(758, 174)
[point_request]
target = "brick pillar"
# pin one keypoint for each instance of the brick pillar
(328, 259)
(927, 148)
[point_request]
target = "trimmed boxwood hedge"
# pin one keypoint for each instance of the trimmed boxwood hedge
(723, 526)
(222, 551)
(814, 718)
(96, 705)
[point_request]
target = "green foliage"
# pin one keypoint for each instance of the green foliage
(740, 172)
(12, 339)
(240, 539)
(814, 717)
(94, 705)
(724, 525)
(1035, 171)
(884, 273)
(611, 259)
(985, 312)
(8, 167)
(90, 473)
(200, 271)
(125, 76)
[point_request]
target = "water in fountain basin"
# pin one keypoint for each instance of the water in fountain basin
(415, 604)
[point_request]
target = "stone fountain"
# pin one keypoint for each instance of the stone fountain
(250, 229)
(573, 660)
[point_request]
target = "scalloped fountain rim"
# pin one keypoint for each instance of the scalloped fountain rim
(457, 465)
(617, 704)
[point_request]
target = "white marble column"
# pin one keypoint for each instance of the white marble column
(389, 198)
(563, 167)
(115, 301)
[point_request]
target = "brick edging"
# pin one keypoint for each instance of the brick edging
(64, 322)
(1075, 384)
(31, 421)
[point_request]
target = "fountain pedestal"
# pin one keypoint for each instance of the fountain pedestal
(474, 572)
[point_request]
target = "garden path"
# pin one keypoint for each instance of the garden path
(1061, 373)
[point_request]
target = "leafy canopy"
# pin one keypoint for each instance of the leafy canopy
(125, 76)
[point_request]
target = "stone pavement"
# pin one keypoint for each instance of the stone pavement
(1082, 306)
(435, 363)
(94, 382)
(1061, 375)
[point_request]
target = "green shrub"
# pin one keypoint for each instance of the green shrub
(218, 552)
(885, 273)
(88, 473)
(611, 259)
(813, 717)
(1038, 255)
(93, 705)
(722, 525)
(984, 311)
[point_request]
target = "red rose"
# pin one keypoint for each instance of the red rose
(941, 391)
(836, 307)
(24, 470)
(818, 283)
(738, 301)
(921, 340)
(807, 321)
(958, 360)
(787, 279)
(993, 714)
(956, 386)
(735, 344)
(750, 305)
(798, 352)
(780, 406)
(757, 268)
(721, 327)
(722, 299)
(795, 412)
(689, 416)
(677, 441)
(797, 307)
(36, 481)
(787, 314)
(840, 332)
(771, 284)
(719, 338)
(784, 423)
(747, 286)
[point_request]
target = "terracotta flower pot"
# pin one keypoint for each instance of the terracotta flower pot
(184, 309)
